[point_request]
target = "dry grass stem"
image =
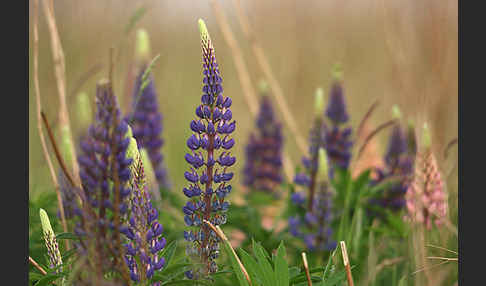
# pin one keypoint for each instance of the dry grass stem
(364, 120)
(344, 253)
(60, 75)
(223, 237)
(306, 267)
(272, 81)
(372, 134)
(36, 265)
(244, 76)
(39, 119)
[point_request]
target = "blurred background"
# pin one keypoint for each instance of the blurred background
(397, 52)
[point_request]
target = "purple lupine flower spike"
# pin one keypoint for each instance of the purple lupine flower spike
(338, 138)
(145, 117)
(145, 232)
(209, 159)
(263, 165)
(313, 225)
(399, 161)
(105, 174)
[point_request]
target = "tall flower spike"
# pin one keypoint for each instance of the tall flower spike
(145, 241)
(147, 119)
(313, 226)
(338, 138)
(105, 175)
(263, 165)
(308, 177)
(55, 259)
(209, 174)
(398, 165)
(426, 196)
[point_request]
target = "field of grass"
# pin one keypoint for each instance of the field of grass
(390, 52)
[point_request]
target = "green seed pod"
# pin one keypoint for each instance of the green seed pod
(50, 240)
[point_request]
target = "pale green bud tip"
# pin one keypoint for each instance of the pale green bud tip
(263, 87)
(337, 71)
(147, 165)
(203, 31)
(132, 149)
(397, 114)
(323, 164)
(142, 48)
(46, 224)
(319, 101)
(426, 137)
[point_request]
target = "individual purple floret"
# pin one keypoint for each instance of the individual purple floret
(144, 232)
(147, 125)
(399, 167)
(263, 165)
(338, 138)
(209, 159)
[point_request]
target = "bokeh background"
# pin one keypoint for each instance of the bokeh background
(397, 52)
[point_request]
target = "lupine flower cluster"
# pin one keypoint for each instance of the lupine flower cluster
(399, 162)
(53, 253)
(263, 165)
(426, 198)
(105, 175)
(338, 138)
(209, 175)
(147, 125)
(144, 231)
(307, 178)
(145, 118)
(313, 224)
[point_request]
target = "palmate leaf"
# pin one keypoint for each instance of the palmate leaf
(67, 235)
(234, 264)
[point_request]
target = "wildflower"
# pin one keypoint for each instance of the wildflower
(307, 179)
(105, 175)
(398, 166)
(55, 259)
(313, 225)
(145, 117)
(426, 199)
(263, 165)
(144, 232)
(209, 175)
(338, 138)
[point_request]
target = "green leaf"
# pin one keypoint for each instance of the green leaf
(48, 279)
(269, 278)
(281, 266)
(168, 252)
(251, 266)
(235, 265)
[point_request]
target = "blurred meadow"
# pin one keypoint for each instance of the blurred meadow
(396, 52)
(402, 53)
